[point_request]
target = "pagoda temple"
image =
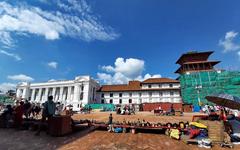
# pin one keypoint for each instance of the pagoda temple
(195, 61)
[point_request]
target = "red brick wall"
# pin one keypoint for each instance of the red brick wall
(164, 106)
(187, 108)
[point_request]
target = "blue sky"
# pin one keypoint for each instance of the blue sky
(113, 41)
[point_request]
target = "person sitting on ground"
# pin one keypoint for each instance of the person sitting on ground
(58, 108)
(37, 110)
(172, 110)
(234, 128)
(125, 109)
(49, 109)
(174, 132)
(110, 123)
(209, 109)
(143, 123)
(32, 112)
(138, 122)
(89, 109)
(81, 109)
(148, 124)
(129, 110)
(118, 110)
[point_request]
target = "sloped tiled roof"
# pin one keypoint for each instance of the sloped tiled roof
(160, 80)
(132, 86)
(136, 85)
(194, 56)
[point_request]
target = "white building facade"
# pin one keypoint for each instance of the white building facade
(81, 90)
(153, 90)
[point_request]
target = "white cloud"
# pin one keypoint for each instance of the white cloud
(108, 68)
(105, 78)
(4, 87)
(130, 67)
(80, 23)
(228, 42)
(53, 64)
(147, 76)
(123, 71)
(20, 77)
(6, 39)
(238, 53)
(75, 5)
(15, 56)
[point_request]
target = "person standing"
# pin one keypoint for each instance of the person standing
(110, 123)
(49, 108)
(8, 116)
(18, 115)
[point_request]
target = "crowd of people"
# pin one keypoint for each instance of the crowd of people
(160, 111)
(125, 110)
(85, 110)
(13, 115)
(223, 112)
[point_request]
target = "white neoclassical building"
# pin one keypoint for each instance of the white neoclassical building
(82, 90)
(152, 90)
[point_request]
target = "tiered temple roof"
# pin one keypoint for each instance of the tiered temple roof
(195, 61)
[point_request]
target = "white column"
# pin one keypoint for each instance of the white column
(45, 97)
(57, 94)
(64, 94)
(54, 92)
(33, 94)
(76, 93)
(61, 95)
(24, 93)
(39, 95)
(69, 93)
(65, 90)
(18, 93)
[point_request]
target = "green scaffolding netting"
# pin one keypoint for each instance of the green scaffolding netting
(196, 86)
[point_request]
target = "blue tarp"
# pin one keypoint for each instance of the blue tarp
(196, 108)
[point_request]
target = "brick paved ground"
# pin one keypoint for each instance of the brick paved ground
(148, 116)
(97, 140)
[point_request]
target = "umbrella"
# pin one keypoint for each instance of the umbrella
(225, 100)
